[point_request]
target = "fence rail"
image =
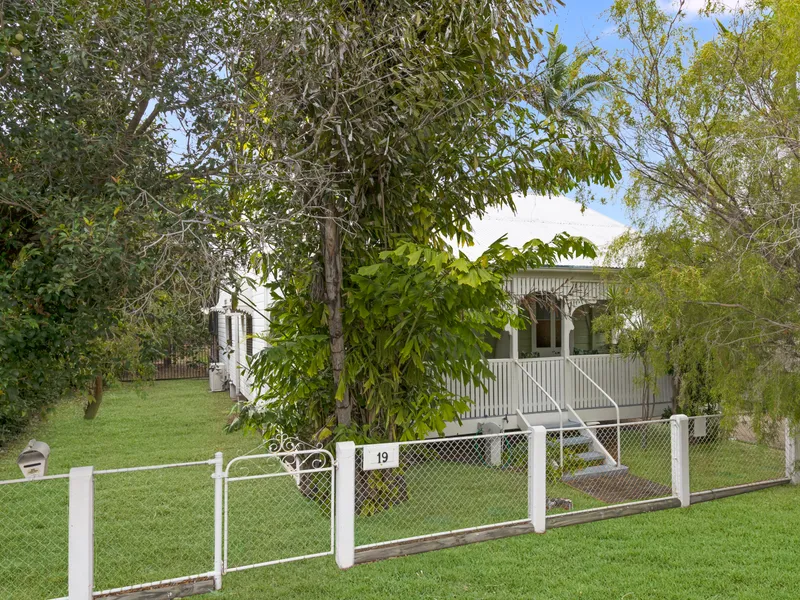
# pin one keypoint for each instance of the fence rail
(187, 361)
(178, 528)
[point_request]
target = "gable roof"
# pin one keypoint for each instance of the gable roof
(543, 217)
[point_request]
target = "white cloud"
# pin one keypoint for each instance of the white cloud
(694, 6)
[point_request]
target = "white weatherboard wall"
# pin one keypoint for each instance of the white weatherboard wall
(252, 301)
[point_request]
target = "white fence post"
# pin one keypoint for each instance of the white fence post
(219, 480)
(792, 451)
(537, 478)
(81, 533)
(345, 504)
(679, 425)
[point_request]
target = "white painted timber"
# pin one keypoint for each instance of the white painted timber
(219, 480)
(537, 478)
(345, 504)
(510, 389)
(679, 426)
(792, 447)
(380, 456)
(81, 533)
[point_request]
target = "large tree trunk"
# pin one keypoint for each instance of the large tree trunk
(94, 402)
(332, 256)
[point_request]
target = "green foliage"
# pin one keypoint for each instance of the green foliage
(93, 208)
(385, 128)
(414, 319)
(709, 132)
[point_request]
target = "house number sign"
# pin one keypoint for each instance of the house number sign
(381, 456)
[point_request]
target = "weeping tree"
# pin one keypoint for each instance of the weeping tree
(709, 133)
(367, 129)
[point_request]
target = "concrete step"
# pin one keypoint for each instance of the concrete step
(572, 441)
(596, 471)
(592, 456)
(567, 424)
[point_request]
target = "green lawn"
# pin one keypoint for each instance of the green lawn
(158, 524)
(148, 525)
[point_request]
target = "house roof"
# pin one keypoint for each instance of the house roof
(543, 217)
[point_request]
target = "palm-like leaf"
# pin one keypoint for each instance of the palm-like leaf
(562, 92)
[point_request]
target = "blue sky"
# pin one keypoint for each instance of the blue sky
(582, 20)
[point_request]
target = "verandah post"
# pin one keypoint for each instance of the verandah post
(679, 426)
(81, 533)
(345, 504)
(537, 478)
(792, 453)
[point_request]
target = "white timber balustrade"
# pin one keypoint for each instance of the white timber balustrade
(345, 504)
(81, 533)
(792, 453)
(537, 478)
(679, 426)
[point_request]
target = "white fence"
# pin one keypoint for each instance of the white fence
(447, 492)
(178, 529)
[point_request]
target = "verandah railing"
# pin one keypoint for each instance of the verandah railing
(509, 390)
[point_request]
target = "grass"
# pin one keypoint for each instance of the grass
(158, 524)
(738, 548)
(148, 525)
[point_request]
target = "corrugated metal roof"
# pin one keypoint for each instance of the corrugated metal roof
(543, 217)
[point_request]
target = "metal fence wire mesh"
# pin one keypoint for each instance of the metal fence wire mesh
(598, 471)
(152, 525)
(442, 485)
(278, 508)
(725, 452)
(34, 528)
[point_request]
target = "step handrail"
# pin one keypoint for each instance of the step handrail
(610, 399)
(596, 443)
(558, 408)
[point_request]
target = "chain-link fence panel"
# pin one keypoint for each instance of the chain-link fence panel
(724, 452)
(443, 485)
(34, 530)
(608, 464)
(278, 507)
(153, 524)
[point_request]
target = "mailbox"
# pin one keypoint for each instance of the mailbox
(33, 460)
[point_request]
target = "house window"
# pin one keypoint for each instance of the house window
(229, 330)
(542, 335)
(213, 328)
(584, 339)
(248, 324)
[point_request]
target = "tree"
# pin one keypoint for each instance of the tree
(373, 125)
(413, 320)
(709, 133)
(98, 214)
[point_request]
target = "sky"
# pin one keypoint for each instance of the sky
(580, 21)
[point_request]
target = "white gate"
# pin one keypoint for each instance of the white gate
(279, 506)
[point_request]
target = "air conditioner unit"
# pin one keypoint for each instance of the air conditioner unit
(217, 376)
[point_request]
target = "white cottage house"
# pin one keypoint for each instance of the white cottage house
(556, 370)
